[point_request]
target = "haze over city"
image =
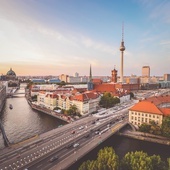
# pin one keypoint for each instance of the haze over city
(50, 37)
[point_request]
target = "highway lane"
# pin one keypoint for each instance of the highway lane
(48, 144)
(66, 152)
(29, 153)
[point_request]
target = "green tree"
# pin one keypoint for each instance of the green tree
(136, 161)
(106, 160)
(73, 111)
(157, 163)
(107, 100)
(168, 160)
(155, 129)
(131, 95)
(165, 128)
(34, 98)
(144, 127)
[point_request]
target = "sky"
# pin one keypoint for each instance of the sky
(53, 37)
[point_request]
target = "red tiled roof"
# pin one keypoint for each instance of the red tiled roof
(86, 96)
(157, 100)
(105, 87)
(97, 81)
(147, 107)
(165, 111)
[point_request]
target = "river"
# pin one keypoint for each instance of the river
(22, 122)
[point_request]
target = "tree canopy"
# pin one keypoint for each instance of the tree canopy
(106, 160)
(108, 100)
(139, 160)
(166, 126)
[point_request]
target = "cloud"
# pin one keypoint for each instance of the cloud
(88, 42)
(165, 42)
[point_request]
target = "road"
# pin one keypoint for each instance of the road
(37, 153)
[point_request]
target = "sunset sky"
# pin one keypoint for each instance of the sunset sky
(53, 37)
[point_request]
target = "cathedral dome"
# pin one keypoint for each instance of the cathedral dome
(11, 73)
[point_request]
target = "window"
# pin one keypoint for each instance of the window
(138, 113)
(146, 115)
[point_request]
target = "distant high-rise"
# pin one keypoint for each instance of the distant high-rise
(76, 74)
(145, 71)
(122, 49)
(167, 77)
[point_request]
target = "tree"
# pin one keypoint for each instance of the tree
(131, 95)
(73, 111)
(157, 163)
(136, 161)
(155, 129)
(165, 128)
(168, 160)
(106, 160)
(144, 127)
(107, 100)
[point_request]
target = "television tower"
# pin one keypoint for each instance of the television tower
(122, 49)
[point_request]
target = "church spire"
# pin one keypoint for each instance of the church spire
(90, 77)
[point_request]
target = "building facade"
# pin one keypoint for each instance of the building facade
(151, 109)
(145, 71)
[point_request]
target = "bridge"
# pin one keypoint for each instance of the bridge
(36, 153)
(80, 152)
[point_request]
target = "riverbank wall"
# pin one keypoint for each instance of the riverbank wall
(146, 137)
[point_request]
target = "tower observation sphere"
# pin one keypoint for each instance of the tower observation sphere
(122, 47)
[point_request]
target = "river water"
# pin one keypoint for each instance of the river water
(22, 122)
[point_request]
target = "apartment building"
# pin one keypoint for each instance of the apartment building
(86, 102)
(151, 109)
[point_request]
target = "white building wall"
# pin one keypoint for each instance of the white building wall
(138, 118)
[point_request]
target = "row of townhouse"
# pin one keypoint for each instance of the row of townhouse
(86, 102)
(151, 109)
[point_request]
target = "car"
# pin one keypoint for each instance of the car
(73, 132)
(81, 127)
(69, 146)
(97, 132)
(53, 158)
(87, 135)
(93, 122)
(76, 145)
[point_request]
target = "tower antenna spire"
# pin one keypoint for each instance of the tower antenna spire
(122, 31)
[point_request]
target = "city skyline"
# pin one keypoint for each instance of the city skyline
(63, 37)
